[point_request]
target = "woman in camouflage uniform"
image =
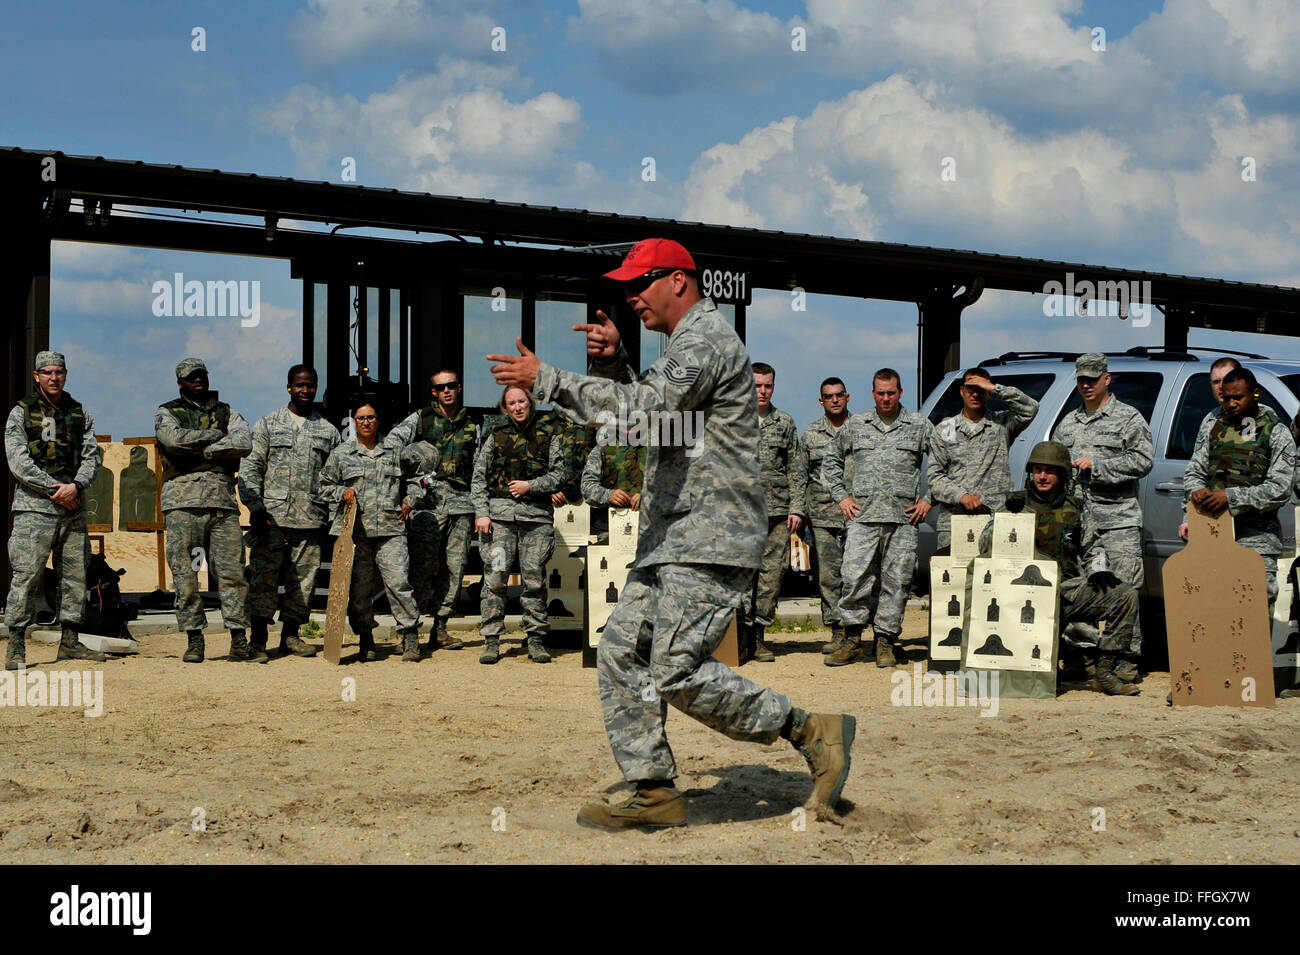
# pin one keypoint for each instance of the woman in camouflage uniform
(369, 474)
(517, 468)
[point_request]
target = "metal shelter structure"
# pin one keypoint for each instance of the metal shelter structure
(409, 296)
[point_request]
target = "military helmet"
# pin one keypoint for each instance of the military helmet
(1052, 453)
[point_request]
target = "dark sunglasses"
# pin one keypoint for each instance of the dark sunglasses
(637, 286)
(453, 385)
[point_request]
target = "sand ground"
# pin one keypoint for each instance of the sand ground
(451, 761)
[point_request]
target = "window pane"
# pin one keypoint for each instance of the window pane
(320, 333)
(372, 332)
(395, 370)
(557, 343)
(488, 331)
(1139, 389)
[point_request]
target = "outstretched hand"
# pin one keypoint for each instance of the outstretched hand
(602, 337)
(516, 371)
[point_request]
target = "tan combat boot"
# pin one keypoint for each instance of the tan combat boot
(885, 651)
(837, 638)
(850, 648)
(826, 741)
(16, 654)
(660, 807)
(70, 648)
(444, 637)
(1108, 682)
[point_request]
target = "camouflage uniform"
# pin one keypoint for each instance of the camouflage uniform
(576, 442)
(70, 455)
(825, 516)
(280, 477)
(523, 529)
(1117, 439)
(199, 447)
(1256, 466)
(1058, 534)
(612, 467)
(781, 469)
(383, 483)
(439, 539)
(701, 537)
(970, 457)
(880, 542)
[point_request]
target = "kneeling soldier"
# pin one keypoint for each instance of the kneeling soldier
(1084, 600)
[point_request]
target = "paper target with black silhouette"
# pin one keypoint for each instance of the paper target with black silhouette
(624, 525)
(948, 576)
(565, 576)
(1021, 615)
(572, 525)
(966, 531)
(606, 576)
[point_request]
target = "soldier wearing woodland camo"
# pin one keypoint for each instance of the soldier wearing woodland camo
(821, 509)
(576, 443)
(200, 442)
(53, 455)
(384, 485)
(612, 477)
(701, 538)
(968, 472)
(1089, 657)
(1110, 445)
(886, 445)
(781, 470)
(439, 539)
(518, 468)
(1246, 466)
(278, 484)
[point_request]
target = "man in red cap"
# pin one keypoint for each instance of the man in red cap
(703, 526)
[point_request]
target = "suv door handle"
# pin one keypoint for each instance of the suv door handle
(1168, 487)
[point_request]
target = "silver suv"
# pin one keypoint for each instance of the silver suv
(1171, 389)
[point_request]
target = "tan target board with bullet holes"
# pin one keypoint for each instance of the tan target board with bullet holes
(336, 608)
(1216, 610)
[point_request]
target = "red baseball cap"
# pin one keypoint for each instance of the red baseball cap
(650, 254)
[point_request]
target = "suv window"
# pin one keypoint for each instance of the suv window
(1196, 402)
(949, 404)
(1137, 388)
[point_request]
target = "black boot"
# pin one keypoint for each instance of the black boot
(367, 653)
(744, 644)
(16, 655)
(194, 652)
(762, 653)
(70, 648)
(259, 635)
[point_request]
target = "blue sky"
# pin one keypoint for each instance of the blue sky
(1127, 156)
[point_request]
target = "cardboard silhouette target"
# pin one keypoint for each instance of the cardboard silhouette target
(1012, 611)
(1286, 624)
(336, 609)
(1216, 612)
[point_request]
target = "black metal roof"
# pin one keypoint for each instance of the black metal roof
(775, 259)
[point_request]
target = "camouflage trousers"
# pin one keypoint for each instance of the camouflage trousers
(657, 649)
(1118, 606)
(761, 598)
(284, 555)
(871, 551)
(380, 561)
(439, 546)
(828, 547)
(35, 537)
(1119, 550)
(532, 546)
(201, 535)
